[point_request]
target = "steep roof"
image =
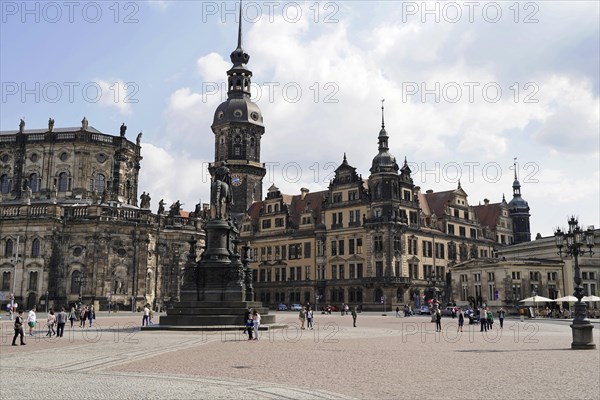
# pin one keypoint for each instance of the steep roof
(437, 201)
(488, 214)
(312, 202)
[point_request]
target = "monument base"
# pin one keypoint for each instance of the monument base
(583, 338)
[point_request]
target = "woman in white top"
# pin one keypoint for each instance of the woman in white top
(31, 318)
(256, 323)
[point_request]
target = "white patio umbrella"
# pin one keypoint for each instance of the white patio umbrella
(570, 299)
(590, 298)
(537, 299)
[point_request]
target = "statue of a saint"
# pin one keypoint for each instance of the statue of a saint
(138, 139)
(84, 124)
(51, 125)
(123, 129)
(161, 207)
(22, 126)
(145, 200)
(175, 210)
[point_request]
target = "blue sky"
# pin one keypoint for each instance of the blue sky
(158, 58)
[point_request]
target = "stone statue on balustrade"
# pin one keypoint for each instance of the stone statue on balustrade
(145, 200)
(161, 207)
(51, 125)
(175, 209)
(221, 197)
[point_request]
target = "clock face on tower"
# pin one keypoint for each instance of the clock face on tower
(236, 180)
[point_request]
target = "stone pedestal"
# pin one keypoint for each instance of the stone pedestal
(217, 291)
(583, 337)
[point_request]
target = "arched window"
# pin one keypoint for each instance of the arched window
(276, 207)
(63, 182)
(100, 183)
(4, 184)
(378, 296)
(75, 282)
(34, 183)
(6, 281)
(33, 281)
(400, 295)
(8, 248)
(377, 191)
(269, 209)
(35, 248)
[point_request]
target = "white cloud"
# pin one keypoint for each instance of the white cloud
(115, 94)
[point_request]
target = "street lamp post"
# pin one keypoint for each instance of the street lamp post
(16, 258)
(82, 281)
(574, 242)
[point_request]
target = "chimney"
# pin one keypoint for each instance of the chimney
(486, 201)
(304, 192)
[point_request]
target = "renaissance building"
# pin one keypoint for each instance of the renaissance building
(374, 241)
(71, 228)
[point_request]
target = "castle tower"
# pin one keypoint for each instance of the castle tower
(519, 213)
(238, 128)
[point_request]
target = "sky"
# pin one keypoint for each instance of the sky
(468, 86)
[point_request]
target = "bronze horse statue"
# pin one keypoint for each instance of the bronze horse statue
(221, 196)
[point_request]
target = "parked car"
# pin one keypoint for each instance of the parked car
(296, 307)
(424, 310)
(472, 316)
(448, 311)
(281, 307)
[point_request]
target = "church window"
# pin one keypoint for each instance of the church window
(4, 184)
(63, 182)
(34, 183)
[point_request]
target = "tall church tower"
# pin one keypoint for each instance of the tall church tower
(238, 128)
(519, 213)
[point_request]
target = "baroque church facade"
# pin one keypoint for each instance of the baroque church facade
(71, 228)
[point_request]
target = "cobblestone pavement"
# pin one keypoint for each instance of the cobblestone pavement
(383, 357)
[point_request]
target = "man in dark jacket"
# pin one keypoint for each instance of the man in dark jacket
(61, 320)
(19, 329)
(248, 322)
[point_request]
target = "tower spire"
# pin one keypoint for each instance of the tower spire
(239, 46)
(515, 167)
(382, 114)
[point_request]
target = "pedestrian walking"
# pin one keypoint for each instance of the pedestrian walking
(309, 318)
(72, 316)
(343, 309)
(347, 309)
(50, 321)
(146, 316)
(354, 315)
(61, 320)
(461, 319)
(91, 315)
(19, 329)
(83, 316)
(398, 312)
(483, 319)
(302, 317)
(438, 320)
(490, 319)
(31, 320)
(249, 323)
(150, 316)
(255, 323)
(501, 314)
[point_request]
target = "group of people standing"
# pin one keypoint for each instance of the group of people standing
(306, 315)
(252, 320)
(55, 321)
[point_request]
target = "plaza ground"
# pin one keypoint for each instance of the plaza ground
(384, 357)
